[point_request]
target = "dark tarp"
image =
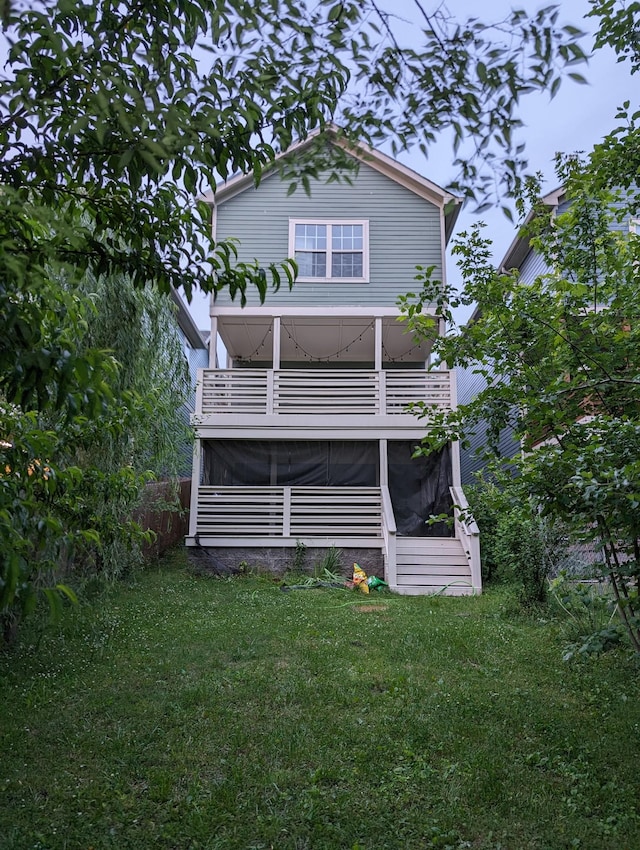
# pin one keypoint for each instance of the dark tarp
(290, 463)
(419, 488)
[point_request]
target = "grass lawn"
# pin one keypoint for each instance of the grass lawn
(183, 712)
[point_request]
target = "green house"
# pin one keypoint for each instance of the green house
(305, 436)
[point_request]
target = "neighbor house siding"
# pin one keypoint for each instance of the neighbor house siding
(404, 231)
(197, 358)
(469, 385)
(532, 267)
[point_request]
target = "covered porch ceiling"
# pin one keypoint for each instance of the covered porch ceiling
(343, 339)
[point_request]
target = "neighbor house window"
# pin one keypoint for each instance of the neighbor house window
(330, 250)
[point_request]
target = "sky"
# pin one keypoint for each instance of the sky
(576, 119)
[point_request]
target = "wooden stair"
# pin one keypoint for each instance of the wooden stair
(428, 565)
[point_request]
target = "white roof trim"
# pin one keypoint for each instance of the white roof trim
(186, 323)
(270, 310)
(520, 246)
(379, 161)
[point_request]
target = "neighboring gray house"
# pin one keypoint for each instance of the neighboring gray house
(531, 265)
(196, 351)
(305, 437)
(196, 346)
(521, 256)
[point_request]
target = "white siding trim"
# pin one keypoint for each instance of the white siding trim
(329, 311)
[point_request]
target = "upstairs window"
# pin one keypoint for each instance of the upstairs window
(330, 251)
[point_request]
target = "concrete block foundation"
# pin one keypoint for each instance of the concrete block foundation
(277, 561)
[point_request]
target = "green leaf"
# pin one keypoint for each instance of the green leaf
(68, 592)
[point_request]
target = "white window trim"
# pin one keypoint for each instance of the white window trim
(331, 221)
(634, 225)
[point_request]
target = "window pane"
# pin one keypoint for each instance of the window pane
(346, 265)
(311, 265)
(311, 237)
(346, 237)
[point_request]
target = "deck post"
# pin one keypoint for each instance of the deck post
(476, 566)
(286, 512)
(378, 344)
(275, 333)
(455, 446)
(389, 531)
(270, 391)
(195, 484)
(384, 464)
(213, 345)
(199, 391)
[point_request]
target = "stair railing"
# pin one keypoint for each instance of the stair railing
(389, 536)
(468, 534)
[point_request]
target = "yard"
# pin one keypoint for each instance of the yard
(184, 712)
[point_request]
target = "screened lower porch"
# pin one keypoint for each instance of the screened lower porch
(294, 488)
(348, 494)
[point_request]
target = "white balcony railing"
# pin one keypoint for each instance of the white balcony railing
(314, 391)
(288, 512)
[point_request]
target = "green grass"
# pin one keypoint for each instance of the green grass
(182, 712)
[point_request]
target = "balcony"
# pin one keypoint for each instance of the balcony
(343, 392)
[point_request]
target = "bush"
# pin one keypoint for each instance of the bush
(517, 544)
(588, 611)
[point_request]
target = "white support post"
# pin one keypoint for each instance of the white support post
(384, 464)
(392, 563)
(195, 484)
(275, 333)
(476, 566)
(213, 344)
(286, 513)
(270, 404)
(389, 532)
(378, 344)
(382, 392)
(455, 446)
(199, 390)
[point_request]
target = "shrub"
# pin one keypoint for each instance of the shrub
(518, 545)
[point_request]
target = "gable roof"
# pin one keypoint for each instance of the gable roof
(520, 248)
(186, 323)
(428, 190)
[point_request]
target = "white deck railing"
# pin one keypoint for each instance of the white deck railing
(468, 533)
(320, 391)
(289, 512)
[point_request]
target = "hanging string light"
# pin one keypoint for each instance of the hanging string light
(401, 358)
(257, 349)
(336, 354)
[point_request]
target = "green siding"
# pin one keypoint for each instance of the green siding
(404, 231)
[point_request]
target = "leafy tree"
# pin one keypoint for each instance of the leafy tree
(561, 356)
(71, 474)
(104, 107)
(111, 123)
(109, 126)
